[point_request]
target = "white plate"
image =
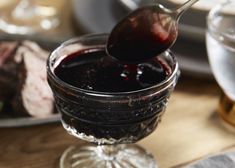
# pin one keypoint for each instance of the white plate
(28, 121)
(99, 16)
(205, 5)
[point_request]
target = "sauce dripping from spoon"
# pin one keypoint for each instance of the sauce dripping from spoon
(145, 33)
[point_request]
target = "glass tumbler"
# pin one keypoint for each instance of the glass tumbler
(220, 41)
(112, 122)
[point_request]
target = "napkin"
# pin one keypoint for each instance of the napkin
(225, 160)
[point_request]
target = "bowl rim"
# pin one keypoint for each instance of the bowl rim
(171, 79)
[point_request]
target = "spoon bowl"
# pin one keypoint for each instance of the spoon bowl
(145, 33)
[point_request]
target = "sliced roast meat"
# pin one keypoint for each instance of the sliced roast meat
(8, 70)
(33, 96)
(23, 82)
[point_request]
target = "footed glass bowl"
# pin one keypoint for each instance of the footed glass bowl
(113, 122)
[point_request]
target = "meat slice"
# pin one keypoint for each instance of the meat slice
(8, 70)
(33, 96)
(7, 50)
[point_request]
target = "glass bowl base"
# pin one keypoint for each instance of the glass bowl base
(107, 156)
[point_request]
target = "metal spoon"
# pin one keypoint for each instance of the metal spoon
(145, 33)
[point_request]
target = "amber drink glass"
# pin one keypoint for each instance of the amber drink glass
(220, 40)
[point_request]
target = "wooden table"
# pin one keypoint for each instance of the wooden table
(190, 130)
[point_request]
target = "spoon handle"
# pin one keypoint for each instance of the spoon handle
(184, 7)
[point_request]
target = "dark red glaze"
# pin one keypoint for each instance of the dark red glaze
(142, 35)
(93, 70)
